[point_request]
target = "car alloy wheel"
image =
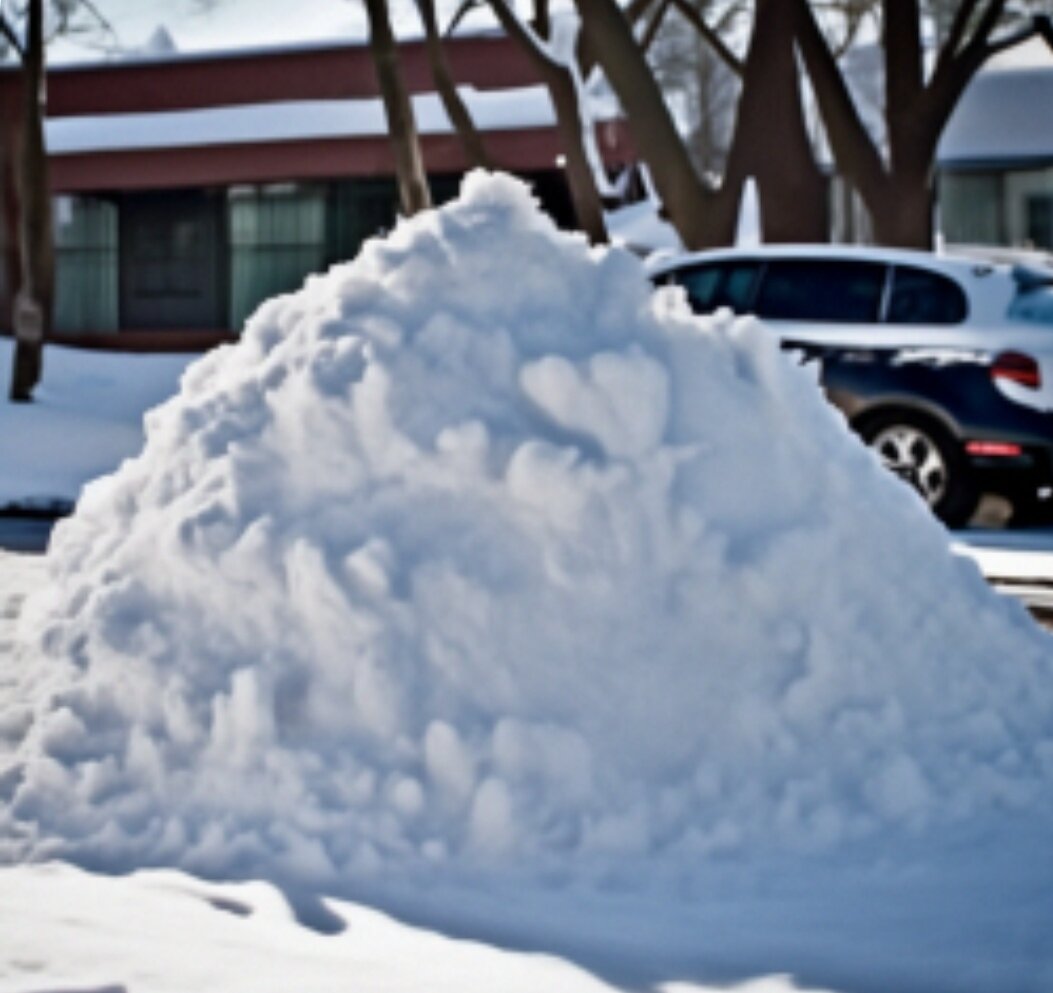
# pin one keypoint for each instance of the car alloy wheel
(924, 454)
(913, 456)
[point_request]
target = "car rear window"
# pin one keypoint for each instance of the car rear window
(821, 290)
(922, 297)
(719, 284)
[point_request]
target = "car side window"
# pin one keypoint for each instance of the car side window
(922, 297)
(738, 287)
(821, 290)
(701, 285)
(720, 284)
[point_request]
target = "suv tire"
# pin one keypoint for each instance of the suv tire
(924, 454)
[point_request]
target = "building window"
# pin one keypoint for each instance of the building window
(972, 207)
(277, 238)
(1039, 218)
(85, 264)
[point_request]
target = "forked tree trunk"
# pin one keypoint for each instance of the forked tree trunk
(770, 141)
(414, 195)
(456, 111)
(33, 301)
(898, 189)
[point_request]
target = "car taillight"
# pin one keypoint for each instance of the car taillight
(994, 449)
(1016, 367)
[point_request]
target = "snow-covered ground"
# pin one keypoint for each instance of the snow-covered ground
(480, 588)
(86, 419)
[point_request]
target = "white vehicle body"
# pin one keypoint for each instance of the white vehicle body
(999, 315)
(943, 365)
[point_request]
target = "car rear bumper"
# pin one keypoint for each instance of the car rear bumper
(1007, 445)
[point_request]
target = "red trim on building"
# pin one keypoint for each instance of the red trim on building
(258, 76)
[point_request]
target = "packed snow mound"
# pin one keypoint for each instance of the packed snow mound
(474, 555)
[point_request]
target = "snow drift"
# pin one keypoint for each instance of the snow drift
(473, 556)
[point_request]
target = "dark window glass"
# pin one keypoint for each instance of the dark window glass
(921, 297)
(821, 290)
(1039, 209)
(719, 284)
(701, 285)
(86, 281)
(738, 287)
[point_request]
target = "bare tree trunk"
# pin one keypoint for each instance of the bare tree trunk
(33, 302)
(686, 199)
(770, 142)
(9, 236)
(902, 211)
(581, 181)
(899, 192)
(456, 111)
(414, 195)
(588, 207)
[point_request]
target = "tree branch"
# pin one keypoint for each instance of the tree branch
(635, 10)
(542, 18)
(953, 73)
(465, 8)
(452, 102)
(1039, 26)
(10, 34)
(902, 45)
(695, 19)
(654, 25)
(101, 19)
(850, 141)
(962, 16)
(516, 29)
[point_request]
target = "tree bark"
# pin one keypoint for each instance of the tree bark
(770, 141)
(686, 199)
(414, 195)
(471, 139)
(9, 235)
(33, 301)
(902, 212)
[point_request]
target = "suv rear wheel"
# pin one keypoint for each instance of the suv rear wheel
(923, 454)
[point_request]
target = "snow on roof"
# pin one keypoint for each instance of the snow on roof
(296, 120)
(64, 56)
(1003, 115)
(159, 45)
(1034, 53)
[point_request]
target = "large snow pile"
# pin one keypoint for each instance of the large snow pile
(474, 557)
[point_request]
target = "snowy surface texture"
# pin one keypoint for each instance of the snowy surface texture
(476, 562)
(160, 931)
(85, 419)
